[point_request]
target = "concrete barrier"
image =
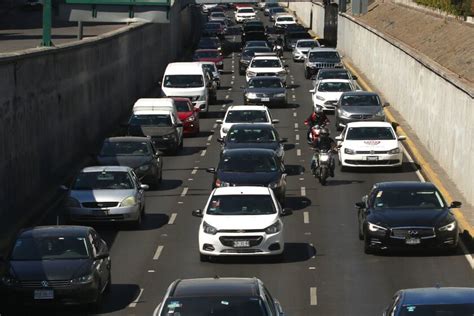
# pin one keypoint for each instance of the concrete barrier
(310, 14)
(57, 103)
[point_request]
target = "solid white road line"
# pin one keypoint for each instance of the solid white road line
(298, 152)
(195, 170)
(306, 217)
(134, 303)
(185, 190)
(410, 159)
(303, 191)
(172, 218)
(203, 153)
(313, 293)
(467, 255)
(158, 251)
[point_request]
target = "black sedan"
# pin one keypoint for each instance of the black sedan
(210, 43)
(138, 153)
(66, 265)
(251, 166)
(253, 136)
(247, 55)
(265, 90)
(404, 215)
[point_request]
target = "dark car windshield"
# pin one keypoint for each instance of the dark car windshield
(251, 135)
(256, 43)
(360, 100)
(248, 162)
(214, 305)
(277, 10)
(151, 120)
(369, 133)
(299, 35)
(125, 149)
(217, 15)
(409, 198)
(107, 180)
(246, 10)
(212, 26)
(285, 19)
(265, 83)
(183, 81)
(251, 116)
(250, 52)
(207, 54)
(266, 63)
(438, 310)
(241, 205)
(321, 56)
(307, 44)
(50, 248)
(182, 106)
(333, 75)
(334, 87)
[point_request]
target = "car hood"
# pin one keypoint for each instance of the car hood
(265, 90)
(43, 270)
(270, 69)
(245, 14)
(371, 144)
(269, 145)
(330, 96)
(101, 195)
(361, 109)
(129, 161)
(183, 91)
(409, 218)
(184, 115)
(150, 130)
(248, 178)
(240, 222)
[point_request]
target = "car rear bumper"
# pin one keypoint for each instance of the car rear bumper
(446, 241)
(114, 214)
(372, 160)
(346, 120)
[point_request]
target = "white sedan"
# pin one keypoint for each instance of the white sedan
(327, 92)
(245, 13)
(266, 64)
(370, 144)
(241, 221)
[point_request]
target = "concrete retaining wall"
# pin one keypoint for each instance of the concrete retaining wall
(303, 11)
(56, 104)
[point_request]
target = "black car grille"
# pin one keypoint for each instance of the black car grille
(244, 250)
(361, 117)
(264, 95)
(266, 74)
(372, 162)
(413, 232)
(371, 152)
(45, 284)
(242, 231)
(229, 240)
(324, 65)
(99, 204)
(333, 103)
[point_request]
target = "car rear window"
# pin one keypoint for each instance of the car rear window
(250, 116)
(106, 180)
(360, 100)
(241, 205)
(50, 248)
(125, 149)
(370, 133)
(438, 310)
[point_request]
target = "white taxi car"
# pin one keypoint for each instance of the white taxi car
(266, 64)
(243, 114)
(240, 221)
(245, 13)
(370, 144)
(327, 92)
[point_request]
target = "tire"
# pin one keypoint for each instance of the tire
(241, 72)
(324, 175)
(367, 249)
(109, 284)
(343, 168)
(203, 258)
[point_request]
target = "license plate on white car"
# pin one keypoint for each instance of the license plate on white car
(412, 241)
(241, 243)
(43, 295)
(372, 158)
(265, 99)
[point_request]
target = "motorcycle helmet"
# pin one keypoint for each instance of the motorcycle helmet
(324, 132)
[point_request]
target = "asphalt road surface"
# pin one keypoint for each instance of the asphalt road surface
(324, 271)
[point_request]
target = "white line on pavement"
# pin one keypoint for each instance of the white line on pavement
(297, 136)
(303, 191)
(227, 96)
(135, 302)
(185, 190)
(214, 126)
(296, 125)
(203, 153)
(306, 217)
(298, 152)
(209, 138)
(195, 170)
(151, 271)
(312, 268)
(313, 293)
(158, 251)
(294, 114)
(172, 218)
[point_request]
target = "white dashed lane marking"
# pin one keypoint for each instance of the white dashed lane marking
(313, 293)
(298, 152)
(195, 170)
(306, 217)
(185, 190)
(303, 191)
(158, 251)
(135, 302)
(172, 218)
(203, 153)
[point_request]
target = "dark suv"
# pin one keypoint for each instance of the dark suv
(219, 296)
(321, 57)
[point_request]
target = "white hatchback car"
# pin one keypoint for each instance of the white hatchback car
(241, 221)
(266, 64)
(370, 144)
(327, 92)
(245, 114)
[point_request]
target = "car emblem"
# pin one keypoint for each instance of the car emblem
(100, 204)
(371, 152)
(372, 142)
(412, 233)
(241, 231)
(44, 283)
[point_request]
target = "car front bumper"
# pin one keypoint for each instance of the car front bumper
(298, 56)
(346, 120)
(447, 240)
(266, 100)
(371, 160)
(113, 214)
(282, 77)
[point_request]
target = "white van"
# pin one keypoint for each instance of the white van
(188, 80)
(155, 104)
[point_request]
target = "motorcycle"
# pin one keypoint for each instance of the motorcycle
(278, 49)
(321, 164)
(313, 133)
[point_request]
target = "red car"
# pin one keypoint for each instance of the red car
(209, 55)
(189, 115)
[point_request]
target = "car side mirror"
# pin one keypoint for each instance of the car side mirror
(144, 186)
(220, 139)
(402, 137)
(312, 91)
(197, 213)
(211, 170)
(275, 121)
(286, 212)
(219, 121)
(455, 204)
(338, 138)
(360, 205)
(385, 104)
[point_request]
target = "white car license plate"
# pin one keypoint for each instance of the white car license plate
(265, 99)
(372, 158)
(241, 243)
(412, 241)
(43, 295)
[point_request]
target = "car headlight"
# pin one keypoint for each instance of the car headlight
(349, 151)
(448, 228)
(274, 228)
(202, 97)
(376, 228)
(280, 95)
(129, 201)
(84, 279)
(209, 229)
(219, 63)
(380, 113)
(320, 98)
(144, 167)
(251, 74)
(72, 202)
(251, 95)
(344, 113)
(190, 118)
(9, 280)
(394, 151)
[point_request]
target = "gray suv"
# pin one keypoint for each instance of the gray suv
(321, 57)
(355, 106)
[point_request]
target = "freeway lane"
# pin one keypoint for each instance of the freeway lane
(324, 272)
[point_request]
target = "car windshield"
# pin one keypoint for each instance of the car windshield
(50, 248)
(285, 19)
(158, 120)
(247, 162)
(438, 310)
(241, 205)
(360, 100)
(256, 44)
(250, 52)
(217, 15)
(408, 199)
(334, 87)
(251, 116)
(214, 305)
(370, 133)
(106, 180)
(207, 54)
(266, 63)
(333, 75)
(323, 56)
(183, 81)
(277, 10)
(299, 35)
(212, 26)
(251, 135)
(111, 149)
(182, 106)
(246, 10)
(265, 83)
(307, 44)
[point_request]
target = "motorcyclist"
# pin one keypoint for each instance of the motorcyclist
(325, 143)
(316, 118)
(278, 44)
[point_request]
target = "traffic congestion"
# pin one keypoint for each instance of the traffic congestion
(262, 181)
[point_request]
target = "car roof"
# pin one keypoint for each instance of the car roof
(128, 139)
(161, 111)
(267, 57)
(106, 169)
(359, 93)
(247, 108)
(242, 190)
(405, 185)
(434, 296)
(56, 230)
(151, 102)
(207, 287)
(279, 15)
(188, 68)
(369, 124)
(322, 49)
(251, 150)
